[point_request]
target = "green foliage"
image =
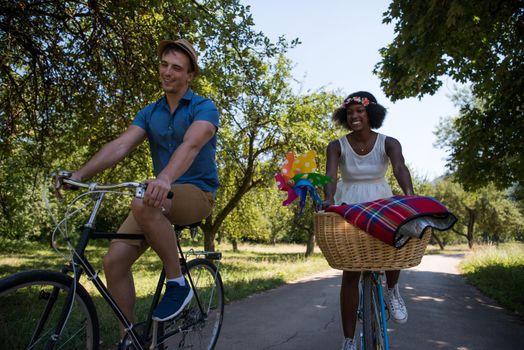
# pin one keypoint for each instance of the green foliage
(74, 74)
(481, 43)
(250, 221)
(421, 185)
(485, 215)
(267, 123)
(499, 273)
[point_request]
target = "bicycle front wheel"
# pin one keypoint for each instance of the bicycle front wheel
(31, 303)
(198, 326)
(373, 329)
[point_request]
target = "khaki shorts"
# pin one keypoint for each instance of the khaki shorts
(189, 205)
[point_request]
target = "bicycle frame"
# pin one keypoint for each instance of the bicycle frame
(380, 291)
(80, 264)
(376, 287)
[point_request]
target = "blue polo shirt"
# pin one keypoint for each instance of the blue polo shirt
(166, 131)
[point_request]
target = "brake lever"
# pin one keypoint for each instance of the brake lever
(57, 185)
(59, 176)
(141, 191)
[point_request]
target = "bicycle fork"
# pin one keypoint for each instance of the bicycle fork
(380, 292)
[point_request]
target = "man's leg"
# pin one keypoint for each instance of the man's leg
(121, 255)
(189, 205)
(161, 237)
(159, 234)
(117, 267)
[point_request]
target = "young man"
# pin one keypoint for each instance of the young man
(181, 128)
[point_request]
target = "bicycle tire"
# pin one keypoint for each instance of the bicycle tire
(23, 300)
(367, 317)
(372, 315)
(194, 330)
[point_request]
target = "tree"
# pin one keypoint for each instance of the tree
(486, 214)
(268, 121)
(463, 205)
(74, 73)
(476, 42)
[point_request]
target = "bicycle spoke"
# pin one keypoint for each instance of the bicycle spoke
(29, 317)
(199, 325)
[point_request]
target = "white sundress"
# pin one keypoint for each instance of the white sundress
(362, 176)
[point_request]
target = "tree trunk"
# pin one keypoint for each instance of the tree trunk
(310, 248)
(234, 243)
(211, 227)
(438, 240)
(209, 241)
(209, 234)
(471, 226)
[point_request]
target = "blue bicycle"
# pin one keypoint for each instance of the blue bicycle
(372, 312)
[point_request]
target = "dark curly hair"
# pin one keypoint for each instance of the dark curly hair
(376, 112)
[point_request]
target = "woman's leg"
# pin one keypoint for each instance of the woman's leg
(392, 278)
(394, 301)
(349, 302)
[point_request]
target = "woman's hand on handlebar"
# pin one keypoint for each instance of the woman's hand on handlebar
(327, 203)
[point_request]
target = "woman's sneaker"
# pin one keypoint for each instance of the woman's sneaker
(396, 306)
(175, 298)
(349, 344)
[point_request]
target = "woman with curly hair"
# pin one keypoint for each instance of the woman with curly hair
(363, 156)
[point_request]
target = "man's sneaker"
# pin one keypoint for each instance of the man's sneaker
(396, 305)
(349, 344)
(124, 344)
(176, 297)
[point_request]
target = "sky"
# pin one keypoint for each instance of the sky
(340, 42)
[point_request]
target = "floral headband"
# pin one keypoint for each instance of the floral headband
(357, 99)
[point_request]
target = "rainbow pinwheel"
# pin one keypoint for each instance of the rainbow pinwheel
(298, 178)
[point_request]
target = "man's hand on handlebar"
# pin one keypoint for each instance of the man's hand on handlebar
(154, 192)
(157, 191)
(59, 176)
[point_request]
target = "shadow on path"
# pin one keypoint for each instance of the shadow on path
(444, 313)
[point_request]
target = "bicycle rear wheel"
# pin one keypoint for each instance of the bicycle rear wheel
(373, 330)
(31, 303)
(198, 327)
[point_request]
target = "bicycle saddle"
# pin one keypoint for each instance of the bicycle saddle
(193, 228)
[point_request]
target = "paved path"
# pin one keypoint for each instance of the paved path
(444, 313)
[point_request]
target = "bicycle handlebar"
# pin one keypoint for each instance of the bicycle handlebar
(64, 177)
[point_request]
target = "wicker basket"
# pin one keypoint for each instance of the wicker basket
(348, 248)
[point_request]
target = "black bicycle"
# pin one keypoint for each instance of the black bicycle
(43, 309)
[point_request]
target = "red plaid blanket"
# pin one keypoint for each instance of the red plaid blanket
(396, 219)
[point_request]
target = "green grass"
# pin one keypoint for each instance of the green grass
(448, 250)
(255, 268)
(499, 273)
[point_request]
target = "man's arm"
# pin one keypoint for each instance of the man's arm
(400, 170)
(112, 153)
(199, 133)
